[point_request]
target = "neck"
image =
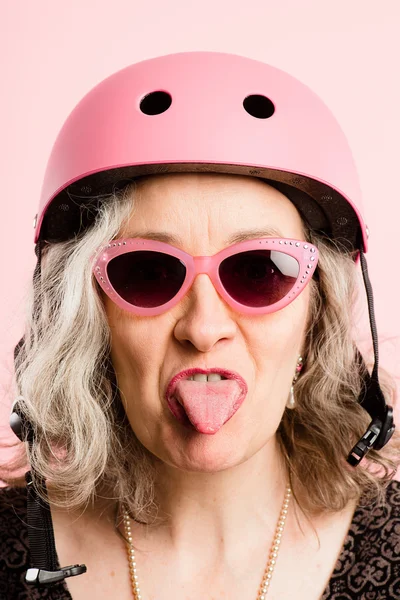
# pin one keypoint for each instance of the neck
(219, 509)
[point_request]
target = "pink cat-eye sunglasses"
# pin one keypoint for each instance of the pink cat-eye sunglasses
(255, 277)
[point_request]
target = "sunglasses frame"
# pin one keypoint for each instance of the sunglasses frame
(305, 253)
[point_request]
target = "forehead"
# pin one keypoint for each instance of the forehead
(219, 205)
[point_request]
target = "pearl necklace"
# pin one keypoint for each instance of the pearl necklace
(266, 580)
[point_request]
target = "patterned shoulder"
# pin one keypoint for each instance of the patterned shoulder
(12, 496)
(368, 567)
(14, 552)
(12, 512)
(14, 548)
(378, 516)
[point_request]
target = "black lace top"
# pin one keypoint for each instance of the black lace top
(368, 567)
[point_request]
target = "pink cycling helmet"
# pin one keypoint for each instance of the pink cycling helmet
(203, 111)
(219, 112)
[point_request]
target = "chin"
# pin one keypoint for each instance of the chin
(206, 453)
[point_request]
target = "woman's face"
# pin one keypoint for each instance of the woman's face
(202, 330)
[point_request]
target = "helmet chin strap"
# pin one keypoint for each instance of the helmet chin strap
(40, 527)
(381, 428)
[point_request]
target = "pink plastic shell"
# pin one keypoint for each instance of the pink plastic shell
(205, 124)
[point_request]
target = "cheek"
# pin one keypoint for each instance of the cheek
(136, 349)
(280, 334)
(131, 355)
(275, 348)
(133, 338)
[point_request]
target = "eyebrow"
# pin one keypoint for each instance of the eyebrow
(240, 236)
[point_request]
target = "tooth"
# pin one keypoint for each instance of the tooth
(202, 377)
(214, 377)
(199, 377)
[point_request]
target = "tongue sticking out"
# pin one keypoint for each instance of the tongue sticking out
(208, 404)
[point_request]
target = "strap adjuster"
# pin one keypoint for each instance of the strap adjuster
(377, 435)
(365, 443)
(43, 577)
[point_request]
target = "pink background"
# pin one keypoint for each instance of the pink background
(52, 53)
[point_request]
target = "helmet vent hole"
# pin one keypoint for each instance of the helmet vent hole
(155, 103)
(259, 106)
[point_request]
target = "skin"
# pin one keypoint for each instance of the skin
(199, 474)
(221, 494)
(204, 331)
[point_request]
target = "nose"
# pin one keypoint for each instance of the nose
(206, 318)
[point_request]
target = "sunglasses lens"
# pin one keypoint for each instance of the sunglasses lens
(146, 278)
(256, 278)
(259, 278)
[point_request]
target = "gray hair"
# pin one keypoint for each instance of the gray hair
(85, 447)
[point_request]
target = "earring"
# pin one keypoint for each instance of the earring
(291, 403)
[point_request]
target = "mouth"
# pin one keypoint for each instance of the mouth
(205, 400)
(190, 373)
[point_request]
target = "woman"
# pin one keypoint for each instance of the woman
(200, 421)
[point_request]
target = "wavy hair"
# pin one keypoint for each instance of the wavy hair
(85, 447)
